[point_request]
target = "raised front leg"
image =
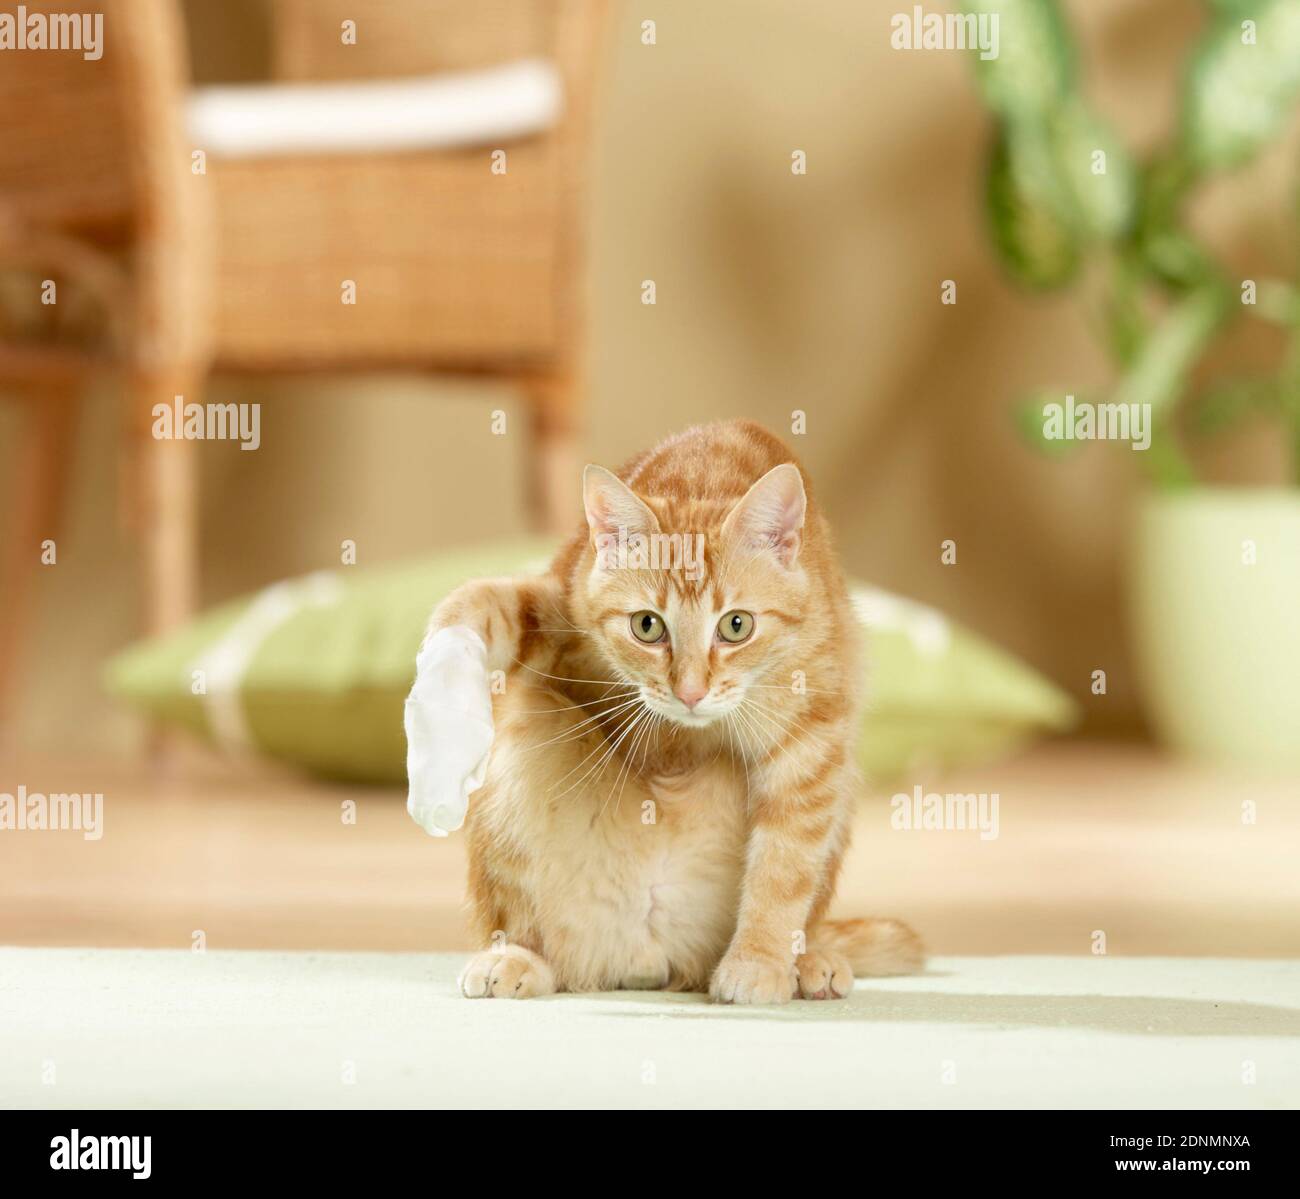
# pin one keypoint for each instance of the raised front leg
(507, 615)
(480, 629)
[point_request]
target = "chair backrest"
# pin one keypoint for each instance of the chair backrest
(388, 38)
(340, 39)
(408, 37)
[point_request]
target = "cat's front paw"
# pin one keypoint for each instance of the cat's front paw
(748, 978)
(511, 972)
(448, 721)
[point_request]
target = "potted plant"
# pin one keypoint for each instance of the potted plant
(1215, 571)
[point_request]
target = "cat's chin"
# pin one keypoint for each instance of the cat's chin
(693, 720)
(680, 716)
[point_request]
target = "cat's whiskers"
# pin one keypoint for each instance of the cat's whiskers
(635, 732)
(651, 729)
(785, 736)
(559, 678)
(625, 771)
(558, 611)
(580, 730)
(761, 726)
(753, 734)
(620, 720)
(623, 735)
(586, 703)
(658, 728)
(610, 744)
(738, 751)
(785, 719)
(721, 744)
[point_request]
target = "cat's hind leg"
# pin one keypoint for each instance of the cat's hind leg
(508, 972)
(823, 972)
(839, 950)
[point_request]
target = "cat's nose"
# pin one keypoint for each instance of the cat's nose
(690, 693)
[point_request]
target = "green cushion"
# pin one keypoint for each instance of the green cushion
(315, 671)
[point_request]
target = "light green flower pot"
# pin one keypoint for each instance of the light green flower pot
(1217, 638)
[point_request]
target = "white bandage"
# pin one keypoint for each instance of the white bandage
(448, 729)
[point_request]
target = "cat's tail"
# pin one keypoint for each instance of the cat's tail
(875, 946)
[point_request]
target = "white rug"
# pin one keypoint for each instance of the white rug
(164, 1028)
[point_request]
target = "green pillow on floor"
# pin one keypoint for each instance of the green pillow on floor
(314, 672)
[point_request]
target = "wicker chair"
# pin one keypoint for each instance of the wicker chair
(176, 274)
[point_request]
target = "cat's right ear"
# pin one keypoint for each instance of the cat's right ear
(613, 508)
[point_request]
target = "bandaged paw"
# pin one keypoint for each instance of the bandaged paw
(448, 729)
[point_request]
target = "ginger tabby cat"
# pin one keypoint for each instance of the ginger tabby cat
(669, 795)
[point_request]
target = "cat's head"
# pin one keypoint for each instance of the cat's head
(697, 602)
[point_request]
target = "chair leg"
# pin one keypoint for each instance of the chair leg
(166, 506)
(554, 462)
(40, 482)
(171, 540)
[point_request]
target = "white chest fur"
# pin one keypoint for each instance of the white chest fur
(630, 890)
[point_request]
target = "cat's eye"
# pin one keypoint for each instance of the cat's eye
(736, 627)
(648, 627)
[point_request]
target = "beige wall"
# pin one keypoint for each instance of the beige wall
(775, 292)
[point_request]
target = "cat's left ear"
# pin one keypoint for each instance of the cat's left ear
(771, 513)
(613, 508)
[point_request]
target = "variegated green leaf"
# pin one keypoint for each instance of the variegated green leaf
(1096, 170)
(1033, 72)
(1024, 200)
(1243, 83)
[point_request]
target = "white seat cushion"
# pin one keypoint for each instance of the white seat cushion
(455, 109)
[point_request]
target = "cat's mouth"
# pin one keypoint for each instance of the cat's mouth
(705, 713)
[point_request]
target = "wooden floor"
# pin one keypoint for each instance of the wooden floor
(1091, 839)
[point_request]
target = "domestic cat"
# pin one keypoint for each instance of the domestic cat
(670, 789)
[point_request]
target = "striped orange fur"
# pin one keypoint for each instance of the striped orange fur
(672, 811)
